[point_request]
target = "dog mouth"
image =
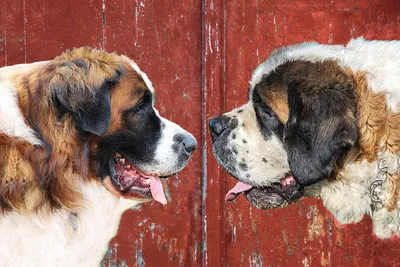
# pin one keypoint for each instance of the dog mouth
(132, 183)
(277, 195)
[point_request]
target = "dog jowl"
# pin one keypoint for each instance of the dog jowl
(318, 121)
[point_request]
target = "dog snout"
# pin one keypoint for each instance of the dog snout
(218, 125)
(187, 141)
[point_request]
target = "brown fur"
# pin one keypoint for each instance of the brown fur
(49, 176)
(278, 102)
(379, 131)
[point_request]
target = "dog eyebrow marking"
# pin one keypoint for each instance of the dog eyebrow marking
(153, 98)
(145, 79)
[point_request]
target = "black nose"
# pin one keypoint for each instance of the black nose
(189, 143)
(218, 125)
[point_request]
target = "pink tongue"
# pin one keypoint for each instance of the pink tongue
(288, 180)
(157, 190)
(237, 190)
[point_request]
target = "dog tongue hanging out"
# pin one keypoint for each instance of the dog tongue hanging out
(134, 183)
(275, 196)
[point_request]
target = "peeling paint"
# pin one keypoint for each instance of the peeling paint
(140, 262)
(255, 259)
(316, 225)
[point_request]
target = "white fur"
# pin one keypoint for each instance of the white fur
(62, 239)
(166, 159)
(348, 199)
(144, 76)
(380, 59)
(11, 120)
(266, 160)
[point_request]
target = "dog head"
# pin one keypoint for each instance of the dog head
(93, 114)
(114, 102)
(295, 130)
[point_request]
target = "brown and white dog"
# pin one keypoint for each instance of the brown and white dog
(80, 143)
(321, 121)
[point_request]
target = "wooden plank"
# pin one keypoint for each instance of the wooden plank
(164, 38)
(213, 86)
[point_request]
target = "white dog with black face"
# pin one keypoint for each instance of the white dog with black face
(322, 120)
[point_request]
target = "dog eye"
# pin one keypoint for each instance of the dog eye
(139, 108)
(268, 112)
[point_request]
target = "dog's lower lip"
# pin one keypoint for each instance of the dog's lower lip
(277, 195)
(131, 182)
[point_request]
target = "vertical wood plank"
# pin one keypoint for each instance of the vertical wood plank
(213, 86)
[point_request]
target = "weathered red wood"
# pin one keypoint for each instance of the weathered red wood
(213, 101)
(199, 56)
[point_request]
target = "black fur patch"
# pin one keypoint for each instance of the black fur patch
(321, 126)
(267, 121)
(138, 139)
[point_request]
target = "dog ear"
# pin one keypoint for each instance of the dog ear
(321, 128)
(81, 88)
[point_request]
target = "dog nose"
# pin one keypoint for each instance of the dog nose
(189, 143)
(218, 125)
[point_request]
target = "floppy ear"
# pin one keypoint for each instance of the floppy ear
(321, 128)
(81, 88)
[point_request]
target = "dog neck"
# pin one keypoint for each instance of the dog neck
(363, 187)
(384, 187)
(78, 238)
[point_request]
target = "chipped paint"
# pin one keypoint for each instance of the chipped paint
(256, 259)
(140, 262)
(316, 223)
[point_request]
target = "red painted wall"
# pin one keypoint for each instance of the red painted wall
(200, 56)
